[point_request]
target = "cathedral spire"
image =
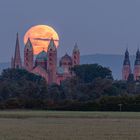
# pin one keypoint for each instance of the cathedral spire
(75, 55)
(52, 61)
(126, 58)
(126, 71)
(29, 44)
(28, 55)
(137, 66)
(76, 49)
(17, 58)
(137, 61)
(52, 45)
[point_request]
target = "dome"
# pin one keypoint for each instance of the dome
(66, 57)
(41, 56)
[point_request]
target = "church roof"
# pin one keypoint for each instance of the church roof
(52, 45)
(17, 58)
(126, 59)
(66, 57)
(60, 70)
(42, 56)
(28, 43)
(39, 67)
(137, 61)
(76, 49)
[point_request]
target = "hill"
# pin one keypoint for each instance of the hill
(114, 62)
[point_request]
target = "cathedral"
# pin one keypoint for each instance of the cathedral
(45, 63)
(126, 71)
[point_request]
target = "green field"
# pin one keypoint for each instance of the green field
(53, 125)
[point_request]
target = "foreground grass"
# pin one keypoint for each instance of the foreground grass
(68, 114)
(52, 125)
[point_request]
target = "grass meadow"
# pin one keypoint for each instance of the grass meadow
(59, 125)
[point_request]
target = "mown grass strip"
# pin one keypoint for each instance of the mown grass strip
(68, 114)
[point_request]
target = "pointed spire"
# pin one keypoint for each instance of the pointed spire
(76, 49)
(137, 61)
(126, 58)
(126, 71)
(29, 44)
(17, 58)
(126, 53)
(52, 45)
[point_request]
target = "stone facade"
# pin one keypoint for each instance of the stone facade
(137, 66)
(45, 63)
(126, 71)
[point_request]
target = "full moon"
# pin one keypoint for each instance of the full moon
(40, 36)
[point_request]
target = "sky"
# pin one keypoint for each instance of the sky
(98, 26)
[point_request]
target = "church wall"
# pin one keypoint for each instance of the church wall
(137, 72)
(126, 71)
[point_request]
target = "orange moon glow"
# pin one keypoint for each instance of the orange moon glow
(40, 36)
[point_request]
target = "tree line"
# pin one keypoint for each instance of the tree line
(92, 88)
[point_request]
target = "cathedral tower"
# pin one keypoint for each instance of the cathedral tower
(126, 71)
(76, 56)
(137, 66)
(28, 55)
(16, 61)
(52, 61)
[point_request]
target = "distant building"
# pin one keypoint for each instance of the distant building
(126, 71)
(137, 66)
(45, 63)
(16, 60)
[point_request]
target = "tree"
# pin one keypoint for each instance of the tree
(55, 93)
(89, 72)
(19, 83)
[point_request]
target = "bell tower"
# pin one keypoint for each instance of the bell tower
(52, 61)
(137, 66)
(76, 55)
(126, 71)
(28, 55)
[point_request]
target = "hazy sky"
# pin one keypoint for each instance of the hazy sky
(98, 26)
